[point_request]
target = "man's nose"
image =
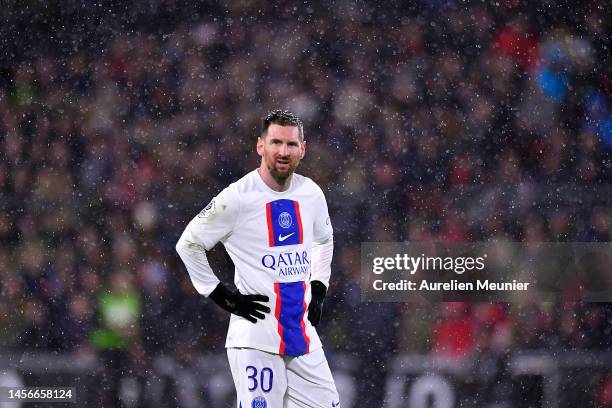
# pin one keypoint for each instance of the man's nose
(284, 150)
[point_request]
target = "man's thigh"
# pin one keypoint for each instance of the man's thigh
(310, 383)
(260, 378)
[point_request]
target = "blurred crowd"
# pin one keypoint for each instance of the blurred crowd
(439, 120)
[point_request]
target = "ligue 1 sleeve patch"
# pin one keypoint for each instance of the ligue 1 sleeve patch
(209, 209)
(284, 223)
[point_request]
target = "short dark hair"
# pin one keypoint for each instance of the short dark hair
(282, 118)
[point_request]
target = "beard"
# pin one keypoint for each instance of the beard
(282, 171)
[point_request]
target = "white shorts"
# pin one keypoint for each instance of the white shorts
(266, 380)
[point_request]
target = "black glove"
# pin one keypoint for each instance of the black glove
(239, 304)
(315, 308)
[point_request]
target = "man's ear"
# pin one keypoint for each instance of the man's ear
(302, 149)
(260, 146)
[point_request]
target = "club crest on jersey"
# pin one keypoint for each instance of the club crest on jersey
(259, 402)
(284, 220)
(284, 223)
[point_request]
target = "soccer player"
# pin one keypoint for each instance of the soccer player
(275, 226)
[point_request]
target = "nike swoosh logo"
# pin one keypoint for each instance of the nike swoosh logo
(281, 238)
(336, 404)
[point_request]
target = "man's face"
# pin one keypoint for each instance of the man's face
(281, 150)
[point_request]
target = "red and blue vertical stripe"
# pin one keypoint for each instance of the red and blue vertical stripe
(284, 223)
(290, 310)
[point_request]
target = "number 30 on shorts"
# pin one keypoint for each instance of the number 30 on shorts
(264, 380)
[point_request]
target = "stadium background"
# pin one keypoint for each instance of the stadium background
(441, 120)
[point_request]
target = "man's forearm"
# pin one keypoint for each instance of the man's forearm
(196, 262)
(321, 261)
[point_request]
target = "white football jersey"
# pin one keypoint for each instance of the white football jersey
(279, 242)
